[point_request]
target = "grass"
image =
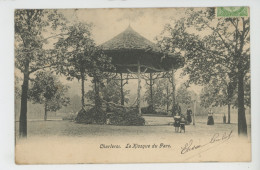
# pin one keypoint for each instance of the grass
(60, 141)
(154, 126)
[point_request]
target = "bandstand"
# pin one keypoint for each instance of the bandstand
(133, 56)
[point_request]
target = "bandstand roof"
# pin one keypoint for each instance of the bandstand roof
(128, 40)
(129, 47)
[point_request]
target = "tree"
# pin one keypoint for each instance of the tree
(247, 88)
(218, 93)
(161, 94)
(17, 89)
(183, 96)
(110, 93)
(30, 56)
(75, 103)
(150, 81)
(100, 70)
(247, 94)
(78, 56)
(48, 90)
(173, 51)
(222, 53)
(75, 52)
(172, 81)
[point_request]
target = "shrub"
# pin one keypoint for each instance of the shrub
(148, 110)
(99, 115)
(129, 118)
(84, 117)
(70, 116)
(93, 115)
(162, 113)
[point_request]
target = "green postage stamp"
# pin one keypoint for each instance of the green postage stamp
(232, 11)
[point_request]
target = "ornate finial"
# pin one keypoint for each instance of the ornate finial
(129, 22)
(129, 26)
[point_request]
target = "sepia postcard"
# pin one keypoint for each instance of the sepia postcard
(132, 85)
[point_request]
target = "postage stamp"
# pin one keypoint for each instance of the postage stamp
(232, 11)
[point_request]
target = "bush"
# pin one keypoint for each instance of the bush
(118, 117)
(93, 115)
(84, 117)
(99, 115)
(162, 113)
(148, 110)
(123, 118)
(70, 116)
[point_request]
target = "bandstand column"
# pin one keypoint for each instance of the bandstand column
(139, 88)
(122, 90)
(173, 88)
(194, 111)
(151, 89)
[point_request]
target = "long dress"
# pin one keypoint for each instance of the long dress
(210, 119)
(189, 119)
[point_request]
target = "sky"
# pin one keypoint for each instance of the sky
(148, 22)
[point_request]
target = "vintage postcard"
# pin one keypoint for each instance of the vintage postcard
(132, 85)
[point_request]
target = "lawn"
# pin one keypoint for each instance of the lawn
(159, 126)
(58, 141)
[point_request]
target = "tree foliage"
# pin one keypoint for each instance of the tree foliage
(216, 49)
(75, 50)
(17, 87)
(31, 55)
(161, 93)
(31, 27)
(183, 96)
(110, 92)
(214, 95)
(48, 90)
(78, 55)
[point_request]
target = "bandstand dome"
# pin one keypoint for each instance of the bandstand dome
(129, 48)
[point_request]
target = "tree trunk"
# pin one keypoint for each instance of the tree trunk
(173, 90)
(230, 91)
(194, 111)
(97, 97)
(228, 114)
(167, 96)
(151, 90)
(82, 90)
(122, 90)
(45, 111)
(23, 111)
(242, 126)
(100, 115)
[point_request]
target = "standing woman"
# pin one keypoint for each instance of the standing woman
(210, 118)
(189, 113)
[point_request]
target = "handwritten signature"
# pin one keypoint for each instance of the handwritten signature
(189, 146)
